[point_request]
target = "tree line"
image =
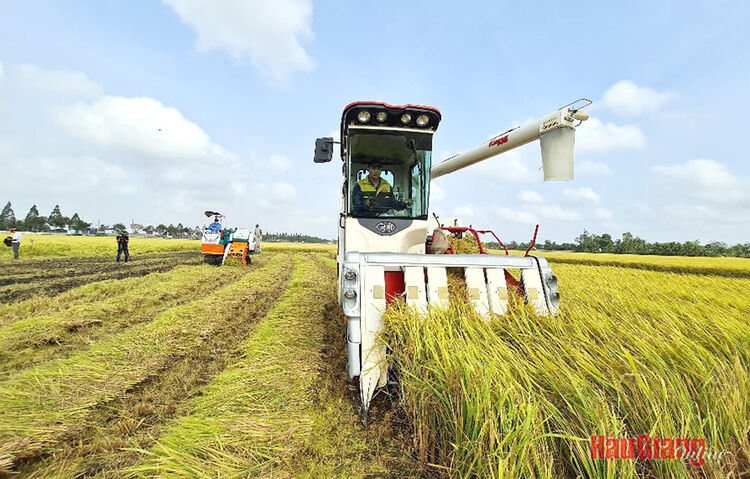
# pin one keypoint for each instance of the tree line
(629, 244)
(293, 238)
(35, 222)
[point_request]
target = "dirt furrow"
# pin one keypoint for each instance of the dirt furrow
(134, 420)
(34, 340)
(46, 266)
(49, 287)
(46, 409)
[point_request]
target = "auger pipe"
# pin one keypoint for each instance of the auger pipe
(566, 117)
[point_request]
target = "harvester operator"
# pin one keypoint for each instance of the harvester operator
(372, 194)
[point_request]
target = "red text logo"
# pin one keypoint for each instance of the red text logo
(648, 448)
(499, 141)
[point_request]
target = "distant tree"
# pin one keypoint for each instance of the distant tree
(34, 222)
(56, 218)
(78, 224)
(7, 217)
(148, 229)
(161, 229)
(585, 242)
(604, 243)
(118, 227)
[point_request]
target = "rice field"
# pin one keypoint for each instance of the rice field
(166, 367)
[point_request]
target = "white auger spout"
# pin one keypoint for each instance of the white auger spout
(385, 247)
(556, 132)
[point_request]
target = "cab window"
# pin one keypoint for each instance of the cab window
(406, 161)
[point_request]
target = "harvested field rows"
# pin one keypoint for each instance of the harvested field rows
(29, 279)
(100, 382)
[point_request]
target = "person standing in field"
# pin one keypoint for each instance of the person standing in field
(16, 241)
(257, 237)
(122, 245)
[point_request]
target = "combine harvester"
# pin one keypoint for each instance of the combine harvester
(218, 244)
(384, 236)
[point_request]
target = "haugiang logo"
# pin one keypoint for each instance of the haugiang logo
(649, 448)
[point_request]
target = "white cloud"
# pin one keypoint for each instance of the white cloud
(84, 173)
(554, 212)
(271, 34)
(707, 180)
(509, 167)
(593, 168)
(279, 163)
(516, 216)
(142, 125)
(62, 82)
(283, 192)
(593, 135)
(2, 72)
(582, 194)
(464, 212)
(628, 99)
(527, 196)
(603, 214)
(436, 192)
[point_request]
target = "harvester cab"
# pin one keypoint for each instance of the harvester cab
(219, 243)
(384, 226)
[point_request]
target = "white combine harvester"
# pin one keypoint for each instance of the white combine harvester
(383, 235)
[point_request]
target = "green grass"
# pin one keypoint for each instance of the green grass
(39, 406)
(283, 410)
(81, 295)
(246, 417)
(38, 338)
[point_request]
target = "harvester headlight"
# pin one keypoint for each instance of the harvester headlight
(423, 120)
(381, 116)
(552, 281)
(350, 275)
(405, 118)
(363, 116)
(350, 294)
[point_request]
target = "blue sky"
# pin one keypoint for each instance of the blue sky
(158, 110)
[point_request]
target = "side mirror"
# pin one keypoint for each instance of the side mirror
(323, 150)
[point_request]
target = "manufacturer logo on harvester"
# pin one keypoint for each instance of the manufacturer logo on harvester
(499, 141)
(385, 227)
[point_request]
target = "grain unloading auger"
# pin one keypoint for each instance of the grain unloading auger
(384, 224)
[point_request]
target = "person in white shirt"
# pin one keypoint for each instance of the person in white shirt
(16, 241)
